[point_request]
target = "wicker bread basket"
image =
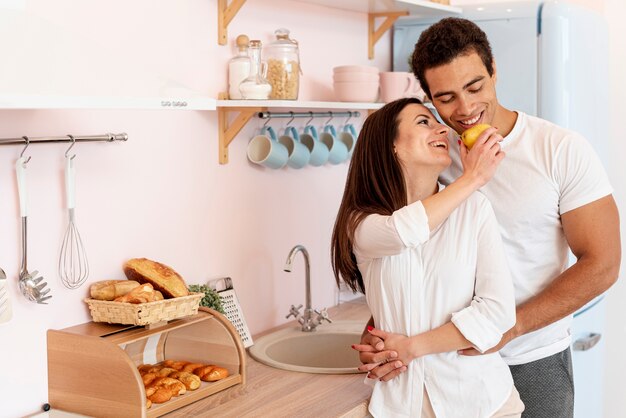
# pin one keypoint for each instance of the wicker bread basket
(144, 313)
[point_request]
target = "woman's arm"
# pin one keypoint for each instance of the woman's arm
(378, 235)
(439, 340)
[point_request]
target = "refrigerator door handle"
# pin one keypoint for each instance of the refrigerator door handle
(587, 342)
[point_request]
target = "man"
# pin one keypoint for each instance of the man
(549, 194)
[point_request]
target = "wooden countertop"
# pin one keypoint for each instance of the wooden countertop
(271, 392)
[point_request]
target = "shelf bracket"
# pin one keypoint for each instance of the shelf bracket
(226, 13)
(228, 132)
(373, 34)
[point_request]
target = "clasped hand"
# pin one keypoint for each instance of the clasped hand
(384, 354)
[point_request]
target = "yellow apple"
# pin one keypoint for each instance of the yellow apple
(471, 135)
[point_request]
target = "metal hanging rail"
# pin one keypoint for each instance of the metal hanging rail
(66, 138)
(272, 115)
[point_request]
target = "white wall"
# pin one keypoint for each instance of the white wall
(163, 194)
(615, 13)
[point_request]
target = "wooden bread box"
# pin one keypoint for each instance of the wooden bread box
(92, 367)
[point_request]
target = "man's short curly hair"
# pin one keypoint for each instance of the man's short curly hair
(442, 42)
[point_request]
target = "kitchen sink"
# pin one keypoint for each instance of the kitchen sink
(327, 350)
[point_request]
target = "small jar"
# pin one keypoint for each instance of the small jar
(238, 68)
(255, 86)
(283, 66)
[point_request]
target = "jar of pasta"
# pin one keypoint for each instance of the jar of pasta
(283, 66)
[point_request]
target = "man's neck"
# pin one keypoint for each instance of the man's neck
(505, 120)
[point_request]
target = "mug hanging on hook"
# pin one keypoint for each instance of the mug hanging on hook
(310, 138)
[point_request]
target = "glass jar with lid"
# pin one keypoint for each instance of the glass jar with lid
(283, 66)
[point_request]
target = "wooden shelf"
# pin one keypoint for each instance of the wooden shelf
(9, 102)
(246, 109)
(390, 10)
(295, 104)
(413, 7)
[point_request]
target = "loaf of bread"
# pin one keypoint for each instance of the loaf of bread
(141, 294)
(111, 289)
(160, 276)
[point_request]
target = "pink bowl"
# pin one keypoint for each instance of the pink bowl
(351, 77)
(358, 91)
(356, 69)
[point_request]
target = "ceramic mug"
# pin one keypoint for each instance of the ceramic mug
(348, 136)
(396, 84)
(265, 150)
(299, 154)
(319, 151)
(338, 150)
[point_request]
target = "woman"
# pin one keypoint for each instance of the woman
(430, 262)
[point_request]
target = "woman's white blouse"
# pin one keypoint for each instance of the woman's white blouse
(416, 280)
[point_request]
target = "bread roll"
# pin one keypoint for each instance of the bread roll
(211, 373)
(191, 367)
(190, 380)
(141, 294)
(162, 277)
(174, 364)
(111, 289)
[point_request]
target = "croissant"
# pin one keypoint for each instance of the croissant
(162, 389)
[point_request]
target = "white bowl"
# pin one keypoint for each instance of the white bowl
(356, 69)
(352, 77)
(358, 91)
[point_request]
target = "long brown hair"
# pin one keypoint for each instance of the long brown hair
(375, 185)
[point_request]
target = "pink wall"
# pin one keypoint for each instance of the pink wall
(162, 194)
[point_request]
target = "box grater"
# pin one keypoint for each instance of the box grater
(232, 309)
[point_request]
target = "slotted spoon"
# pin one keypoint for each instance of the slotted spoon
(29, 283)
(5, 302)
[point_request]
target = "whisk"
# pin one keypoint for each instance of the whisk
(73, 263)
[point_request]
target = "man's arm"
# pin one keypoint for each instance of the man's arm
(592, 232)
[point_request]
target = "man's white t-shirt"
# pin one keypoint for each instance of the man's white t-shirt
(547, 171)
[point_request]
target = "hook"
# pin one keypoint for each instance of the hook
(68, 150)
(292, 117)
(310, 119)
(25, 138)
(331, 117)
(349, 116)
(269, 117)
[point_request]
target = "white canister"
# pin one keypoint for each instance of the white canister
(238, 68)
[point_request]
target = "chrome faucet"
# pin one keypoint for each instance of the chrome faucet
(306, 320)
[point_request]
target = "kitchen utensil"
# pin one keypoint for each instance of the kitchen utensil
(73, 263)
(5, 302)
(29, 283)
(232, 308)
